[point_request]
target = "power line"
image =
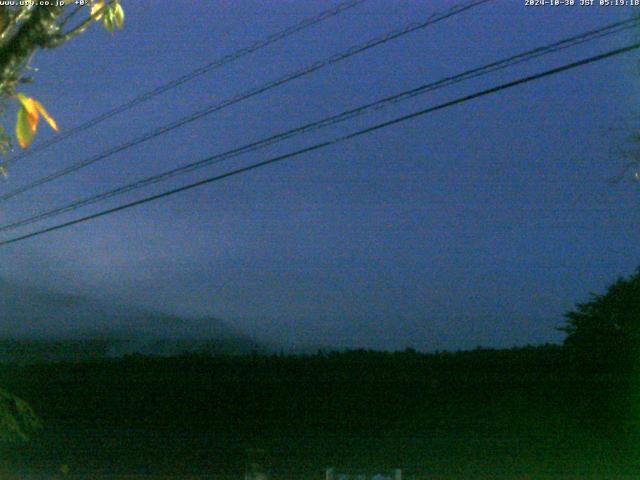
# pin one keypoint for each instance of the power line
(244, 96)
(334, 141)
(334, 119)
(144, 97)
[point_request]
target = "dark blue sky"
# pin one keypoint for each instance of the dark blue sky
(476, 225)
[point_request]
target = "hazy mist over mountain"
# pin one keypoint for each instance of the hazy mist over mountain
(35, 313)
(32, 316)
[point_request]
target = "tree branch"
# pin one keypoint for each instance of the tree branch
(34, 33)
(66, 19)
(18, 17)
(59, 39)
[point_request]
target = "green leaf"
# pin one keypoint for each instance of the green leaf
(109, 19)
(24, 129)
(17, 419)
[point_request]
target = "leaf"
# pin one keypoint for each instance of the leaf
(118, 15)
(24, 131)
(97, 8)
(17, 419)
(28, 117)
(31, 109)
(48, 118)
(108, 20)
(113, 17)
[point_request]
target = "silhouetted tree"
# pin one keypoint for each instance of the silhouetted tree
(607, 328)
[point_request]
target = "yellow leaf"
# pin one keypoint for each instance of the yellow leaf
(118, 15)
(49, 119)
(97, 8)
(24, 131)
(31, 109)
(28, 117)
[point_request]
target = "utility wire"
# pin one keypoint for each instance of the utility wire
(251, 93)
(260, 44)
(334, 141)
(332, 120)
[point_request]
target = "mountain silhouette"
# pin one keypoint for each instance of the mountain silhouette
(38, 324)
